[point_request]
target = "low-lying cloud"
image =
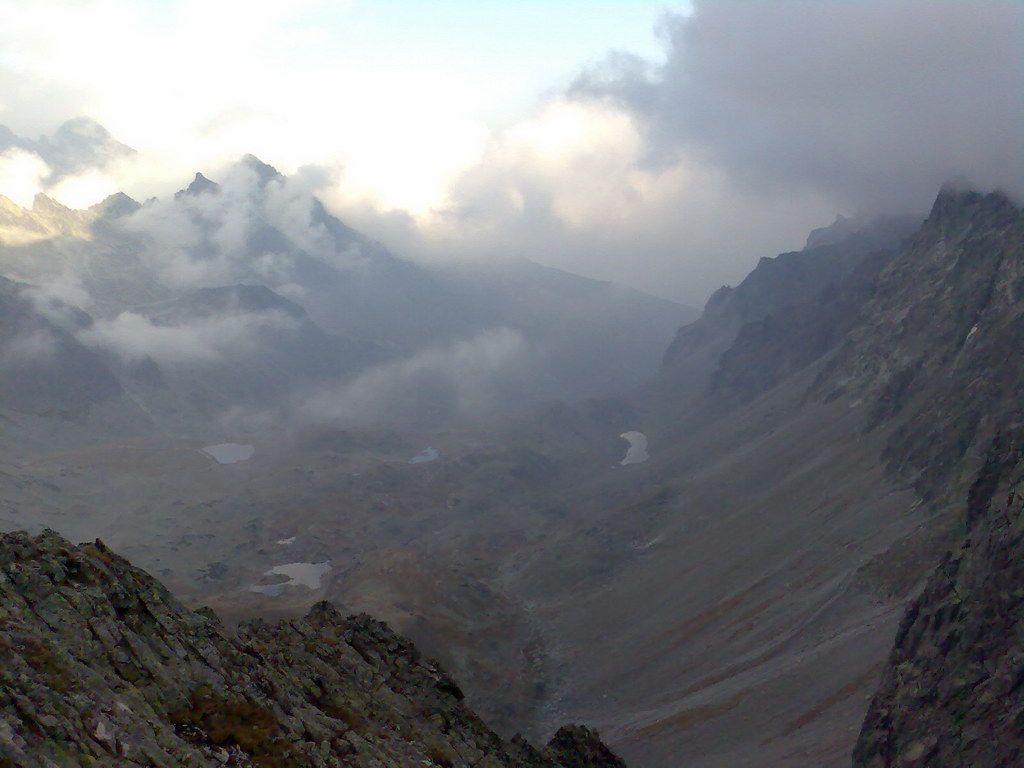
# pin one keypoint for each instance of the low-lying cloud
(250, 227)
(132, 337)
(465, 378)
(28, 348)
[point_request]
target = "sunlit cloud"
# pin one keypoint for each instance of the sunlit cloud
(21, 175)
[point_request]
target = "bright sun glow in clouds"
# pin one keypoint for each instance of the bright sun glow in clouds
(399, 96)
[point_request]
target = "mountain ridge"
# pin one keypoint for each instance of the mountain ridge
(101, 664)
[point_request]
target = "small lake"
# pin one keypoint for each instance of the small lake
(230, 453)
(427, 454)
(299, 575)
(637, 452)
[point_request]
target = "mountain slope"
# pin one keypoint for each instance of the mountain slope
(43, 368)
(951, 693)
(831, 255)
(731, 601)
(101, 664)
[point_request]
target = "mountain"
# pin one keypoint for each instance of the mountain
(951, 690)
(731, 601)
(79, 144)
(102, 665)
(257, 227)
(830, 255)
(213, 350)
(44, 369)
(576, 325)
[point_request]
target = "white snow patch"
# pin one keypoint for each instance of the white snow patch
(637, 452)
(427, 454)
(229, 453)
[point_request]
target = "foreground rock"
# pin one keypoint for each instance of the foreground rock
(953, 692)
(99, 665)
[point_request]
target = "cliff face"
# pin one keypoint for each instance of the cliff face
(936, 349)
(831, 256)
(99, 665)
(953, 691)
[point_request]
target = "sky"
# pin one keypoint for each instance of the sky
(665, 145)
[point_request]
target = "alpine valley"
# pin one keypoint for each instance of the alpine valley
(776, 532)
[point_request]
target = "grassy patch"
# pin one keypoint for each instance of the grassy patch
(243, 723)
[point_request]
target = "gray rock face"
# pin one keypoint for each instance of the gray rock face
(832, 255)
(952, 692)
(937, 347)
(99, 665)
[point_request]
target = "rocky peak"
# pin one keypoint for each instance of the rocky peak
(47, 206)
(199, 185)
(265, 173)
(78, 144)
(832, 255)
(115, 206)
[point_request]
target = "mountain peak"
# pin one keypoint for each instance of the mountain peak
(955, 201)
(44, 204)
(263, 171)
(83, 127)
(115, 206)
(198, 186)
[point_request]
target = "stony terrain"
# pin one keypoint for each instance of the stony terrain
(101, 666)
(952, 693)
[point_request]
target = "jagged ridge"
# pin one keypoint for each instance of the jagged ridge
(100, 665)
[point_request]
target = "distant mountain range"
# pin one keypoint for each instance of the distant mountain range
(128, 264)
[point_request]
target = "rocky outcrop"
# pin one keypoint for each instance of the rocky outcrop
(832, 254)
(100, 665)
(767, 351)
(934, 351)
(953, 691)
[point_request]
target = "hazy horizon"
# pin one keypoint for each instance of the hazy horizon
(665, 146)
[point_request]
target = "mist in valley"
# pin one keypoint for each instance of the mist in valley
(648, 400)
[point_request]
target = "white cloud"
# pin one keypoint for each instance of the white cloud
(133, 337)
(462, 377)
(214, 238)
(37, 346)
(21, 175)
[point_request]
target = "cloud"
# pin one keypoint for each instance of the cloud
(21, 175)
(871, 104)
(28, 348)
(133, 337)
(249, 228)
(764, 120)
(60, 300)
(569, 186)
(468, 377)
